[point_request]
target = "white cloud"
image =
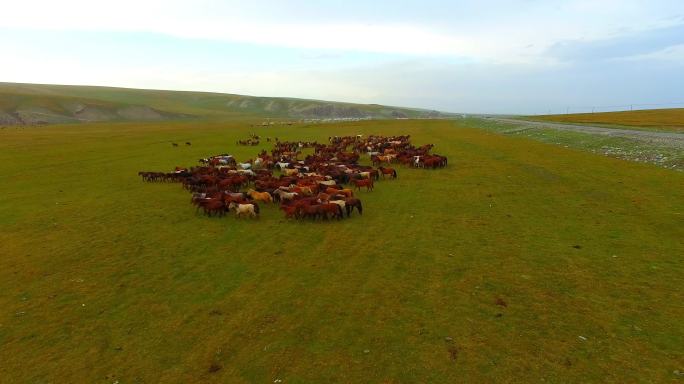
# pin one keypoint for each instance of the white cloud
(504, 64)
(499, 32)
(670, 54)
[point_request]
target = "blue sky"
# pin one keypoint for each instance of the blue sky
(524, 56)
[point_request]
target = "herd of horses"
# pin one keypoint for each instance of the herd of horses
(253, 140)
(321, 186)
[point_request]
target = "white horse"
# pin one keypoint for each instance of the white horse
(247, 172)
(252, 210)
(285, 196)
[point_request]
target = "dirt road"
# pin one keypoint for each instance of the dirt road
(664, 138)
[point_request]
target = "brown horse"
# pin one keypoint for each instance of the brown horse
(290, 211)
(334, 210)
(212, 206)
(308, 211)
(334, 191)
(368, 183)
(388, 171)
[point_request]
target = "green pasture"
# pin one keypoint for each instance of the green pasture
(519, 262)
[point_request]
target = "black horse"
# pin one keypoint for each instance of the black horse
(351, 203)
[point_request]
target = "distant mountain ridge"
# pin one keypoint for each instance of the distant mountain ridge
(57, 104)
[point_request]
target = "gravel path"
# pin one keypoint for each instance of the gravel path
(663, 138)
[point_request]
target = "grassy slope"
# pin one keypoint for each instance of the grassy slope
(201, 104)
(106, 278)
(664, 119)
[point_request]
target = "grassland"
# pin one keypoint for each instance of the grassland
(107, 279)
(653, 119)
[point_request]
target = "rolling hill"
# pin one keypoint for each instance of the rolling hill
(56, 104)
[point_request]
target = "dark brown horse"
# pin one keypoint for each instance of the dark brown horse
(212, 207)
(352, 203)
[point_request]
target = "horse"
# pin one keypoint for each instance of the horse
(331, 208)
(285, 196)
(260, 196)
(196, 196)
(252, 210)
(368, 183)
(306, 191)
(212, 206)
(188, 143)
(341, 203)
(306, 210)
(388, 171)
(352, 203)
(347, 192)
(290, 172)
(377, 160)
(324, 211)
(375, 175)
(290, 211)
(328, 183)
(174, 144)
(236, 197)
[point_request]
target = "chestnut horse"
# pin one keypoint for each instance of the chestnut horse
(368, 183)
(388, 171)
(335, 210)
(334, 191)
(260, 196)
(290, 211)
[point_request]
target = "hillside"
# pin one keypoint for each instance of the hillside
(50, 104)
(665, 119)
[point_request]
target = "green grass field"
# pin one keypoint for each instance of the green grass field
(104, 278)
(651, 119)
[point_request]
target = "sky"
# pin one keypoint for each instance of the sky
(488, 56)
